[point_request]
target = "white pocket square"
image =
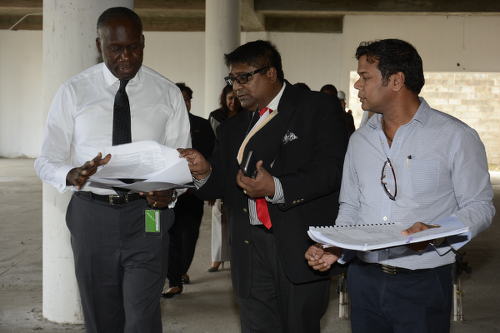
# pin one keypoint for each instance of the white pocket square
(289, 137)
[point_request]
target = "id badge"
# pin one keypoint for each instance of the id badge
(152, 221)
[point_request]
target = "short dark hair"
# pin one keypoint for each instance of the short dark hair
(302, 85)
(118, 12)
(394, 56)
(329, 89)
(259, 53)
(182, 86)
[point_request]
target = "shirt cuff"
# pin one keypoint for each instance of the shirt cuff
(200, 182)
(279, 196)
(176, 194)
(346, 256)
(60, 176)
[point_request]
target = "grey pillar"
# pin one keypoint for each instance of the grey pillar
(222, 35)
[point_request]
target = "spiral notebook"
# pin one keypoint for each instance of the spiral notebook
(367, 237)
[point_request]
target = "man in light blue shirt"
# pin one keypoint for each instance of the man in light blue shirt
(410, 164)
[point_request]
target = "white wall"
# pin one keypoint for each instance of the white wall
(20, 92)
(316, 59)
(179, 56)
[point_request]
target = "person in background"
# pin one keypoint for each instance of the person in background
(414, 165)
(229, 107)
(188, 209)
(349, 120)
(120, 268)
(329, 89)
(302, 85)
(332, 91)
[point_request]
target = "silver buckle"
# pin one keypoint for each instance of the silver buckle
(389, 269)
(111, 198)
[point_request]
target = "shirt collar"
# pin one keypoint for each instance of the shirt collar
(420, 116)
(422, 112)
(110, 79)
(273, 105)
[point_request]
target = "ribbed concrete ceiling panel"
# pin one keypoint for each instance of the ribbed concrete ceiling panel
(258, 15)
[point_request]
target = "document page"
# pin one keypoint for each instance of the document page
(154, 167)
(369, 237)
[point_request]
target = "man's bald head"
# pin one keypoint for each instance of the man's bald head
(118, 13)
(120, 41)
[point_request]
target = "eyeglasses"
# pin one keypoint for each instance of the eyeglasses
(243, 77)
(388, 180)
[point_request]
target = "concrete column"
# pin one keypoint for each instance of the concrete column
(69, 32)
(222, 35)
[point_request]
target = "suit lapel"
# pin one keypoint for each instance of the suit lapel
(266, 142)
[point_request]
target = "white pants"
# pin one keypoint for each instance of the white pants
(220, 234)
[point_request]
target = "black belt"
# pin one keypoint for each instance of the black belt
(112, 199)
(393, 270)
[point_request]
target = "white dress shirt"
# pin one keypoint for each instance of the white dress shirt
(80, 120)
(442, 178)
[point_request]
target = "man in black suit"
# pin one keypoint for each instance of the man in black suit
(298, 147)
(188, 209)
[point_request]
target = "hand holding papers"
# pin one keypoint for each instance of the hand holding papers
(369, 237)
(154, 167)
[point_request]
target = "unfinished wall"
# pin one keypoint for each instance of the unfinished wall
(316, 59)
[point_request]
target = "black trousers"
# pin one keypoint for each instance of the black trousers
(276, 304)
(408, 302)
(119, 268)
(183, 237)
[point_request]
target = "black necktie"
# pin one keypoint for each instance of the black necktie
(121, 124)
(121, 116)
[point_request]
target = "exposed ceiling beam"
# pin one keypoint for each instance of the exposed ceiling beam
(259, 15)
(304, 23)
(370, 6)
(31, 20)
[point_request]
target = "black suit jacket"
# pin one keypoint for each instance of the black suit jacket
(202, 135)
(304, 147)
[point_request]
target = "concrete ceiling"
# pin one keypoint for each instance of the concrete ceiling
(258, 15)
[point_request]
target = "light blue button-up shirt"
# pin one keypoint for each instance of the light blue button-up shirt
(442, 178)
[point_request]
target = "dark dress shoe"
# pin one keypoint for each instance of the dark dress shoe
(172, 291)
(185, 279)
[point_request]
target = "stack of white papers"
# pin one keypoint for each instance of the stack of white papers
(369, 237)
(154, 167)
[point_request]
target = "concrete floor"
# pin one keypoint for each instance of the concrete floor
(207, 304)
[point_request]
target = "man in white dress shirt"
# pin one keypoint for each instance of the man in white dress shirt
(120, 268)
(414, 165)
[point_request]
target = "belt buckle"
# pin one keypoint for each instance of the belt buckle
(389, 269)
(112, 197)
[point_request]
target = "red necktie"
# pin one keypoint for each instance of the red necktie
(261, 203)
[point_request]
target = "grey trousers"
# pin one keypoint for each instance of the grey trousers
(119, 268)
